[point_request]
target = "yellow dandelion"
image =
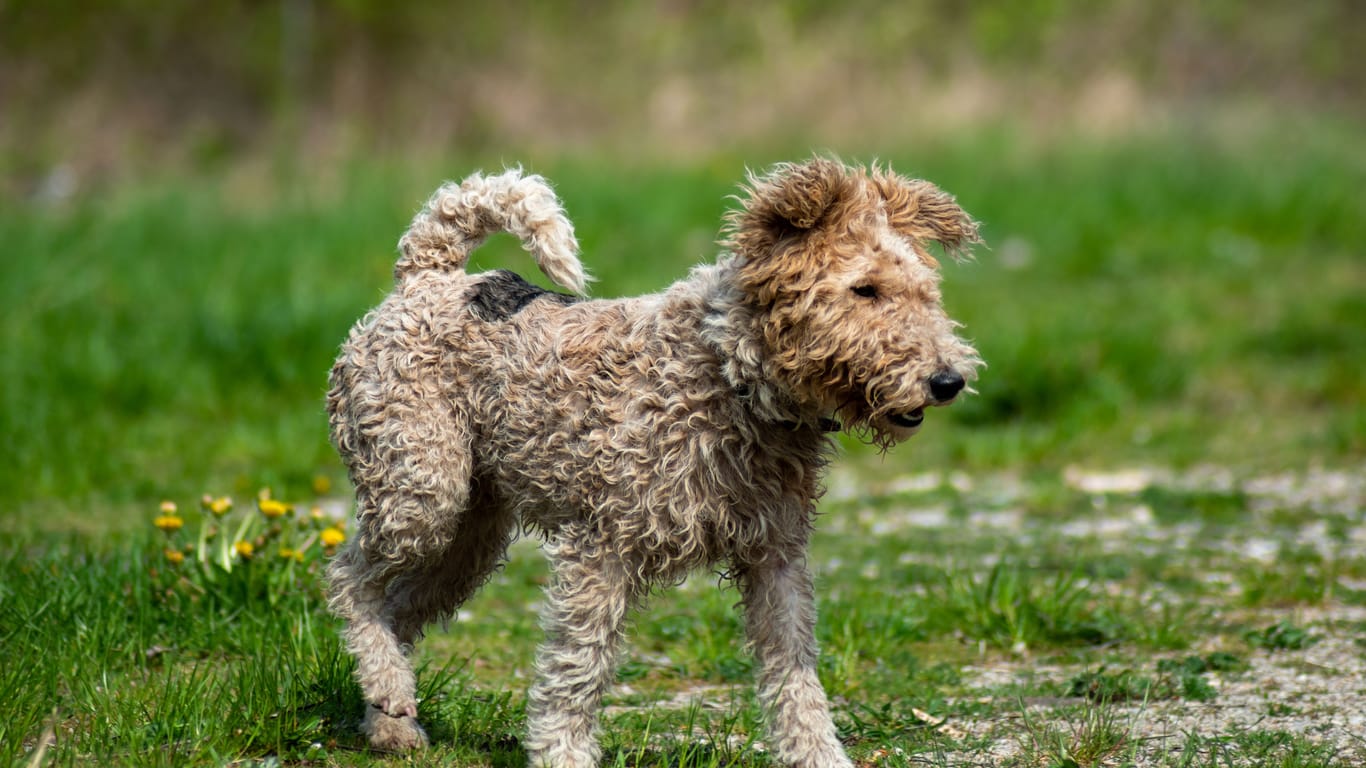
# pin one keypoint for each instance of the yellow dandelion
(321, 485)
(272, 508)
(219, 506)
(168, 508)
(169, 522)
(244, 548)
(175, 556)
(331, 537)
(316, 512)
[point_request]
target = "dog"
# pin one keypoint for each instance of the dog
(642, 438)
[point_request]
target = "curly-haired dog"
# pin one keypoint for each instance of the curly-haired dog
(641, 437)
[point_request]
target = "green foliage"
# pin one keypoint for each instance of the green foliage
(267, 552)
(1260, 747)
(1177, 506)
(1091, 735)
(1281, 636)
(1182, 678)
(1013, 605)
(141, 666)
(888, 722)
(1100, 685)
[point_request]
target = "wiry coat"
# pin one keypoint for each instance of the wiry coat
(642, 437)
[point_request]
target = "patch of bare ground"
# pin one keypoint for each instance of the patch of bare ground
(1317, 693)
(1312, 695)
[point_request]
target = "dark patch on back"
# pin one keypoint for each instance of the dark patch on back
(502, 294)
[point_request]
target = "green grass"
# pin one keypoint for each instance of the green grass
(133, 658)
(1091, 734)
(1181, 299)
(1182, 678)
(1185, 299)
(138, 667)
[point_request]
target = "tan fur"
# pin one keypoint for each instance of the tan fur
(642, 438)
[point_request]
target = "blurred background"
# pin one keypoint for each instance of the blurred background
(100, 91)
(197, 200)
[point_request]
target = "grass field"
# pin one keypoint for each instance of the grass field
(1191, 303)
(1179, 300)
(1151, 619)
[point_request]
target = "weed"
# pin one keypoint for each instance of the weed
(888, 722)
(1182, 678)
(1209, 507)
(1260, 748)
(1304, 578)
(1090, 735)
(1014, 607)
(1280, 709)
(1189, 673)
(1281, 636)
(1123, 685)
(265, 552)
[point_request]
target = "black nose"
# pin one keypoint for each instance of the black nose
(946, 385)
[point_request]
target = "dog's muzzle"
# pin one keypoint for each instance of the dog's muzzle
(944, 387)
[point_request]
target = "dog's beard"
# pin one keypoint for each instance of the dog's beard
(883, 426)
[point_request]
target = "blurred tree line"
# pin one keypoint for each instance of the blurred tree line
(116, 83)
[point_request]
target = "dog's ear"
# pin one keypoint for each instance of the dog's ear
(922, 211)
(800, 195)
(789, 200)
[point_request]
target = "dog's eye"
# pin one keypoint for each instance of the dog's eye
(867, 291)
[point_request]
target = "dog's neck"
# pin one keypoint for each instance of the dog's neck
(730, 328)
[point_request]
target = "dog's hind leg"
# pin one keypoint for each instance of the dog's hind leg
(357, 590)
(435, 592)
(586, 608)
(412, 479)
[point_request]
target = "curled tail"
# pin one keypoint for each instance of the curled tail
(458, 218)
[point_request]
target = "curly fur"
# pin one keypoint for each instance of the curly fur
(641, 437)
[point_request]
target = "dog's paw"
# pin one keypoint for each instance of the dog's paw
(394, 733)
(832, 758)
(393, 708)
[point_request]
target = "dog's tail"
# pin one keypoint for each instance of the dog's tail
(458, 218)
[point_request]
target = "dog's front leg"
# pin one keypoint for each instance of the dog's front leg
(780, 619)
(585, 612)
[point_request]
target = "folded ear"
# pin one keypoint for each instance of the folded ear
(922, 211)
(788, 200)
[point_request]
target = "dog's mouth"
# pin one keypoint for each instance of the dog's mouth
(908, 420)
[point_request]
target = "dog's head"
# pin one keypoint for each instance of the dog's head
(833, 261)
